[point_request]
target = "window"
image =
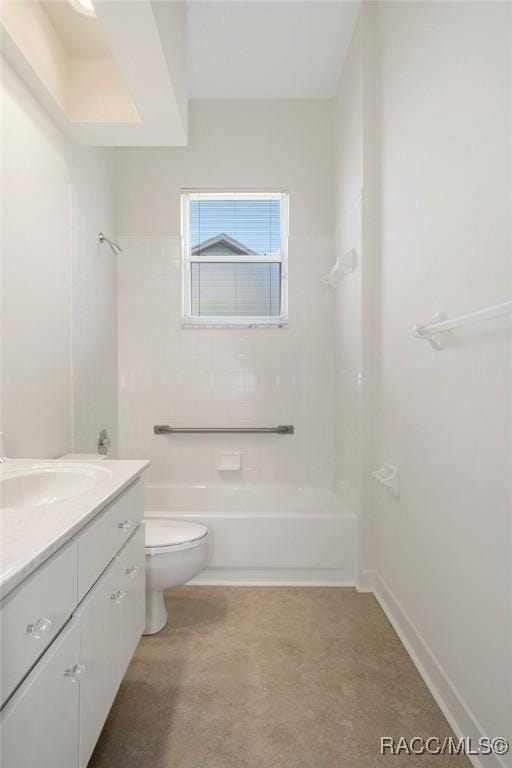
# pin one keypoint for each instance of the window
(235, 248)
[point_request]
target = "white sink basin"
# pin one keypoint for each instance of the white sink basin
(42, 484)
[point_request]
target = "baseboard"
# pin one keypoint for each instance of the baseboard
(273, 577)
(366, 584)
(452, 705)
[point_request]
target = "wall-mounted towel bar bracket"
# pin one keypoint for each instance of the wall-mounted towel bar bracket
(441, 323)
(165, 429)
(422, 332)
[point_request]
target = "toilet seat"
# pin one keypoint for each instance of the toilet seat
(164, 536)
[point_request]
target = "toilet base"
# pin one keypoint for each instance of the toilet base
(170, 568)
(156, 612)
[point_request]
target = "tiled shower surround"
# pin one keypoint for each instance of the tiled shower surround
(225, 376)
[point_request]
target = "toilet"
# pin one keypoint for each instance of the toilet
(176, 551)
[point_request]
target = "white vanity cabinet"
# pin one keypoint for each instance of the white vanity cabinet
(40, 724)
(87, 604)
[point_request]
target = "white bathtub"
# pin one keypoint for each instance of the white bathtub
(266, 534)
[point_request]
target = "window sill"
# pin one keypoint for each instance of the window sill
(187, 325)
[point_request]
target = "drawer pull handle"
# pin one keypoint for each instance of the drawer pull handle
(125, 525)
(39, 628)
(118, 596)
(75, 673)
(132, 571)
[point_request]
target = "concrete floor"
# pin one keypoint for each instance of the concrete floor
(269, 678)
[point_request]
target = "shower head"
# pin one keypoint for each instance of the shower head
(115, 248)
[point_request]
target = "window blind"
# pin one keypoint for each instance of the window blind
(253, 223)
(237, 289)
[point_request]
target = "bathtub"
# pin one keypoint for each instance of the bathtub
(268, 535)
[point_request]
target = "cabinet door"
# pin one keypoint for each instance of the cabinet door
(111, 623)
(100, 615)
(39, 725)
(131, 579)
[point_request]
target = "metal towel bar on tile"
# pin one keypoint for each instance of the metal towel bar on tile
(165, 429)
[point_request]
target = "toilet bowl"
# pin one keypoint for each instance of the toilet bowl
(175, 552)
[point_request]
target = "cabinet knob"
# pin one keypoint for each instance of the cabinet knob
(118, 596)
(132, 571)
(39, 628)
(126, 525)
(75, 673)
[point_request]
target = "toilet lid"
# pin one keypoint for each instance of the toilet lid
(165, 533)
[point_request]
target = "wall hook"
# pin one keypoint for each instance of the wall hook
(343, 266)
(387, 476)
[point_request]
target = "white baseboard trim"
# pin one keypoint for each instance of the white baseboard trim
(265, 583)
(452, 705)
(273, 577)
(366, 583)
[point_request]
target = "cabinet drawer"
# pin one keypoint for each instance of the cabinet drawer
(32, 615)
(39, 725)
(102, 539)
(111, 623)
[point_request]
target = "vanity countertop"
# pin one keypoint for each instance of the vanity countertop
(30, 534)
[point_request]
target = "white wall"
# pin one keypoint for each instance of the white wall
(439, 558)
(228, 377)
(348, 172)
(56, 287)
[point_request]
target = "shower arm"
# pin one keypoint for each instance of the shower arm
(114, 246)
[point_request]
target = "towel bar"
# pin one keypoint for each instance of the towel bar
(165, 429)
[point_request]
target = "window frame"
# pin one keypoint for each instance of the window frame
(187, 258)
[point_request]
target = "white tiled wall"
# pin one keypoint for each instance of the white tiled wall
(348, 293)
(94, 312)
(223, 377)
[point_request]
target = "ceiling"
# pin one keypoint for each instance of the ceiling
(267, 49)
(115, 80)
(80, 35)
(125, 77)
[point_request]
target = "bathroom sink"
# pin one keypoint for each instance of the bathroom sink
(41, 484)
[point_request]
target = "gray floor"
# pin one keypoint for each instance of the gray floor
(269, 678)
